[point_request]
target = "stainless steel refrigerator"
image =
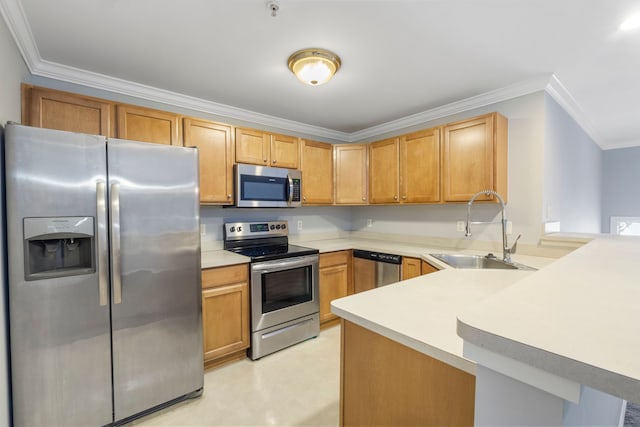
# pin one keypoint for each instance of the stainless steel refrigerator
(104, 276)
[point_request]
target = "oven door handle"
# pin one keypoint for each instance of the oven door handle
(284, 264)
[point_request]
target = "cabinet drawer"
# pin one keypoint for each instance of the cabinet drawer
(334, 258)
(225, 275)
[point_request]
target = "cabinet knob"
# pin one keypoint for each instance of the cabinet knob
(264, 160)
(364, 199)
(404, 197)
(395, 197)
(273, 161)
(304, 199)
(228, 196)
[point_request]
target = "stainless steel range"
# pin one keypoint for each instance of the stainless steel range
(284, 285)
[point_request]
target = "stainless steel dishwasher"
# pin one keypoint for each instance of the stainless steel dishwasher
(374, 269)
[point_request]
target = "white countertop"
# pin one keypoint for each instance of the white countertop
(421, 312)
(578, 318)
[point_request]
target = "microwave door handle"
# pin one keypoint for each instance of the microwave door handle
(290, 199)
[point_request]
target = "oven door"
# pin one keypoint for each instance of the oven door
(283, 290)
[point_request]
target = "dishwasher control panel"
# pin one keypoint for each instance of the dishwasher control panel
(378, 256)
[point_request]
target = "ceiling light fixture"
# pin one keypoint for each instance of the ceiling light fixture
(631, 22)
(314, 66)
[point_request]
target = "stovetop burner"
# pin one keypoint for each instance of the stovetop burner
(262, 241)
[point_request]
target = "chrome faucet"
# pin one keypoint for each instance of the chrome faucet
(506, 250)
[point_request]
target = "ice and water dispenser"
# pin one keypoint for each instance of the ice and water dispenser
(58, 247)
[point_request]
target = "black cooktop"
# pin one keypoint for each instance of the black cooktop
(271, 252)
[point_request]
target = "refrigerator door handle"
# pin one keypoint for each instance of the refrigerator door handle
(101, 219)
(114, 216)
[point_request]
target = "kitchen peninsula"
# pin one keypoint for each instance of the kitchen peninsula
(553, 347)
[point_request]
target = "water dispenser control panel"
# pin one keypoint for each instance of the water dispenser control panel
(58, 247)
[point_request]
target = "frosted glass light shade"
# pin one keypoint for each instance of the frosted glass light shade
(314, 66)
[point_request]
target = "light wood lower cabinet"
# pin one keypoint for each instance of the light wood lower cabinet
(225, 313)
(386, 383)
(411, 267)
(427, 268)
(336, 281)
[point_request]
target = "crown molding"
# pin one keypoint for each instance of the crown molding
(509, 92)
(620, 144)
(14, 16)
(563, 97)
(137, 90)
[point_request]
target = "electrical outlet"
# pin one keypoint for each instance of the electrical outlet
(299, 224)
(509, 228)
(203, 229)
(460, 226)
(369, 222)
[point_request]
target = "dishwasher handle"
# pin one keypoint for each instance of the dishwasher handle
(378, 256)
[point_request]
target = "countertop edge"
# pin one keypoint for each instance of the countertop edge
(419, 346)
(598, 378)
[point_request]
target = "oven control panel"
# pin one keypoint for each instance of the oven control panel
(249, 230)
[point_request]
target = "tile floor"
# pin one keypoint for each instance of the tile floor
(297, 386)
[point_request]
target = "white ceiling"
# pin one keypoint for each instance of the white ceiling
(400, 58)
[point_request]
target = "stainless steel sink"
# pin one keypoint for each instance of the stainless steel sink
(479, 262)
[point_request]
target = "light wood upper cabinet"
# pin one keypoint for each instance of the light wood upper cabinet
(52, 109)
(147, 125)
(261, 148)
(252, 146)
(475, 158)
(215, 155)
(405, 169)
(285, 151)
(420, 166)
(384, 171)
(225, 313)
(316, 163)
(335, 281)
(351, 175)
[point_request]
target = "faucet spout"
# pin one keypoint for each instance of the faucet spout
(506, 251)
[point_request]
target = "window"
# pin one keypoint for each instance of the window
(625, 225)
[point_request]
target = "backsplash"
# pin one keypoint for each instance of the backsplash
(315, 220)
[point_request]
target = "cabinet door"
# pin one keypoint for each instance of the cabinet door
(468, 161)
(225, 311)
(420, 166)
(147, 125)
(427, 268)
(410, 267)
(66, 111)
(351, 174)
(215, 151)
(225, 314)
(333, 285)
(285, 151)
(383, 171)
(317, 173)
(252, 146)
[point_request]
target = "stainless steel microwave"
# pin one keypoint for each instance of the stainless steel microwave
(267, 187)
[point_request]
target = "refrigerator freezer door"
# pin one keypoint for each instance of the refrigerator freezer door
(156, 317)
(60, 339)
